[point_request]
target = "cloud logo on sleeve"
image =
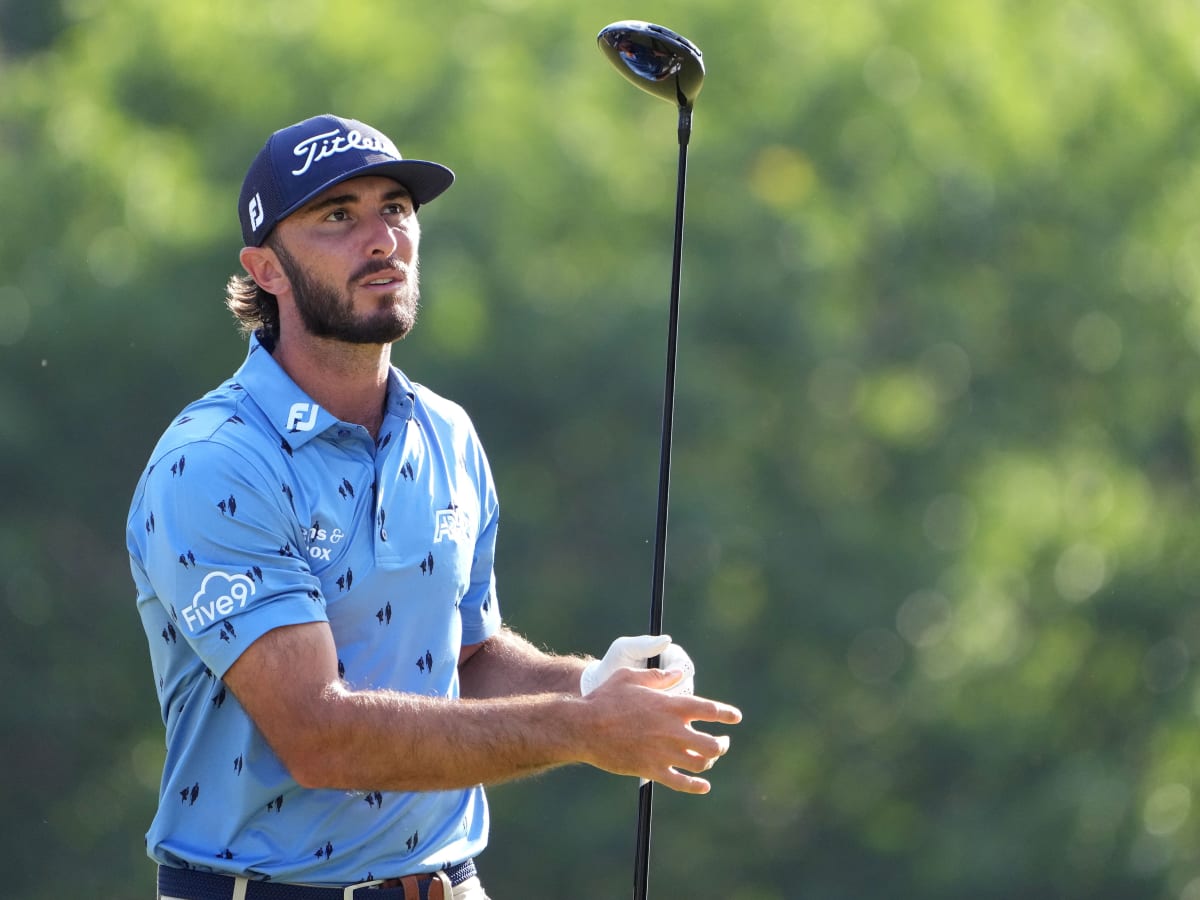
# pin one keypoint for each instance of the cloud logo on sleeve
(220, 595)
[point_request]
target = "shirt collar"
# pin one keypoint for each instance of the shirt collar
(293, 413)
(401, 393)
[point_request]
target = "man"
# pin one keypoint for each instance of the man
(312, 545)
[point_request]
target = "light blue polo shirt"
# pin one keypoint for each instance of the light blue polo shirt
(260, 509)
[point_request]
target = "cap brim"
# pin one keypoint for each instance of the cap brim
(422, 179)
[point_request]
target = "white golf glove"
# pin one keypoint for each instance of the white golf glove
(634, 652)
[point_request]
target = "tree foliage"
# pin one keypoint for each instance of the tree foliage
(934, 510)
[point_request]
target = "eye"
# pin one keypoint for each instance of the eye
(396, 210)
(338, 215)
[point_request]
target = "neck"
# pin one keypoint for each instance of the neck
(349, 380)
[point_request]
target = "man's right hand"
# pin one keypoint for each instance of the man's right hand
(640, 729)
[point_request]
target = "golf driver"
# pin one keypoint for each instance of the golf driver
(671, 67)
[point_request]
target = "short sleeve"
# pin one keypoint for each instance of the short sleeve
(215, 539)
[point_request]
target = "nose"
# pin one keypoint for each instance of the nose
(386, 239)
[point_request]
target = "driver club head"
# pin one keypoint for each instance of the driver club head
(656, 59)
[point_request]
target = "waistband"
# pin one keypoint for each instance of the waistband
(187, 884)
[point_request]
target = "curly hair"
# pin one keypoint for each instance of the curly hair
(255, 309)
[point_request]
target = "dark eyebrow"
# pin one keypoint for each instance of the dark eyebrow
(317, 206)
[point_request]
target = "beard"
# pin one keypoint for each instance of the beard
(327, 312)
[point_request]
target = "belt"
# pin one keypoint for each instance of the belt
(188, 884)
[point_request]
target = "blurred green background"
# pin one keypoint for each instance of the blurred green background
(934, 519)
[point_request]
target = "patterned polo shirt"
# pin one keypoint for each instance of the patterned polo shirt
(260, 509)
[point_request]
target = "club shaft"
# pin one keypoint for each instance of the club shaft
(641, 877)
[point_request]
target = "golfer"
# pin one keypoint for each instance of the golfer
(312, 544)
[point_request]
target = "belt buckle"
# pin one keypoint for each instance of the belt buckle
(348, 892)
(408, 883)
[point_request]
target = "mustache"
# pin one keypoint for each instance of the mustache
(391, 264)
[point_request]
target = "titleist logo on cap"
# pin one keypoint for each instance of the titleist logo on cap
(322, 146)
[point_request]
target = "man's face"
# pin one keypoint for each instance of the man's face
(350, 256)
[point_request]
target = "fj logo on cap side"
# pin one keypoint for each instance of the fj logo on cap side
(256, 212)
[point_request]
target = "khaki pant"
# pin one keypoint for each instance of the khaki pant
(471, 889)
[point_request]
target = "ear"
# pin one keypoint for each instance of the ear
(263, 266)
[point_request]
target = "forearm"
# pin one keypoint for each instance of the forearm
(384, 740)
(507, 665)
(330, 736)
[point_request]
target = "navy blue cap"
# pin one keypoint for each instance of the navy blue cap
(300, 161)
